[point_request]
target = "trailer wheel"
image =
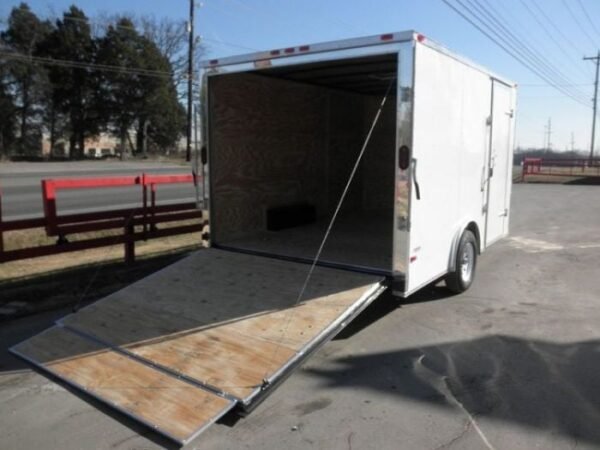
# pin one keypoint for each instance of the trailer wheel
(466, 262)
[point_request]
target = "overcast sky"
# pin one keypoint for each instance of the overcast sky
(237, 26)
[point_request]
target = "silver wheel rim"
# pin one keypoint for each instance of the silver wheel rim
(467, 260)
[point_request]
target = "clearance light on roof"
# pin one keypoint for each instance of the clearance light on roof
(275, 52)
(213, 62)
(289, 50)
(304, 48)
(420, 37)
(387, 37)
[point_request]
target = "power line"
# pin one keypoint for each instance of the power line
(547, 85)
(587, 16)
(572, 14)
(229, 44)
(512, 53)
(81, 65)
(556, 28)
(515, 21)
(522, 46)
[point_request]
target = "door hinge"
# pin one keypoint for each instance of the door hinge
(403, 223)
(510, 113)
(504, 213)
(488, 121)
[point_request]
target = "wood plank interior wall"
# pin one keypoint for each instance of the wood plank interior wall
(267, 147)
(276, 142)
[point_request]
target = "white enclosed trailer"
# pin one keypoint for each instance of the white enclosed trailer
(284, 128)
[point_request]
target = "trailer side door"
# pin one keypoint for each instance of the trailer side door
(499, 163)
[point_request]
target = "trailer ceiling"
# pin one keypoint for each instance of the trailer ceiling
(370, 75)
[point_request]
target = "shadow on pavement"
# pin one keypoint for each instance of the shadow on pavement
(585, 181)
(539, 384)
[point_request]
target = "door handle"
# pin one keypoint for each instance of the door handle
(414, 178)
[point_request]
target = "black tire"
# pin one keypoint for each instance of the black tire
(465, 264)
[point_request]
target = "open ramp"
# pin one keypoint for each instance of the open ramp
(226, 326)
(173, 407)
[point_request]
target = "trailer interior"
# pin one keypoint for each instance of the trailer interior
(282, 144)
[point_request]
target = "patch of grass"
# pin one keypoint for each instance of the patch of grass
(76, 278)
(37, 237)
(78, 285)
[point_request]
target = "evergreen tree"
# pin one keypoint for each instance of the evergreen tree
(73, 94)
(7, 116)
(134, 101)
(23, 36)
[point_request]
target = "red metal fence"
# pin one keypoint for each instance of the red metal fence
(146, 218)
(560, 167)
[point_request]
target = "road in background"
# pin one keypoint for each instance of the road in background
(22, 195)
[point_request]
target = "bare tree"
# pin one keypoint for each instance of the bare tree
(171, 38)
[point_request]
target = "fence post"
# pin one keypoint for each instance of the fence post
(129, 243)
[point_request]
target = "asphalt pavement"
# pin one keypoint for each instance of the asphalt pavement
(22, 195)
(512, 363)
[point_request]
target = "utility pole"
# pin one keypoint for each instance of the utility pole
(190, 74)
(547, 134)
(597, 60)
(572, 141)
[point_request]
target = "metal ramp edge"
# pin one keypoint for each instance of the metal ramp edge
(128, 379)
(312, 347)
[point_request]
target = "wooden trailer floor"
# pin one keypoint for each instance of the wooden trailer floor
(224, 326)
(357, 240)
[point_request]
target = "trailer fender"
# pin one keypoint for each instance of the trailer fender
(468, 225)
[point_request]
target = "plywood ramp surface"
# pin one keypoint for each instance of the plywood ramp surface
(224, 319)
(173, 407)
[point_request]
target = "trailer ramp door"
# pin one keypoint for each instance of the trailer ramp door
(171, 406)
(226, 323)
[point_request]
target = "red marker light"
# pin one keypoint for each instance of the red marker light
(420, 37)
(304, 48)
(413, 258)
(212, 62)
(387, 37)
(289, 50)
(275, 52)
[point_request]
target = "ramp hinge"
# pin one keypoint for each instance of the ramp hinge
(265, 384)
